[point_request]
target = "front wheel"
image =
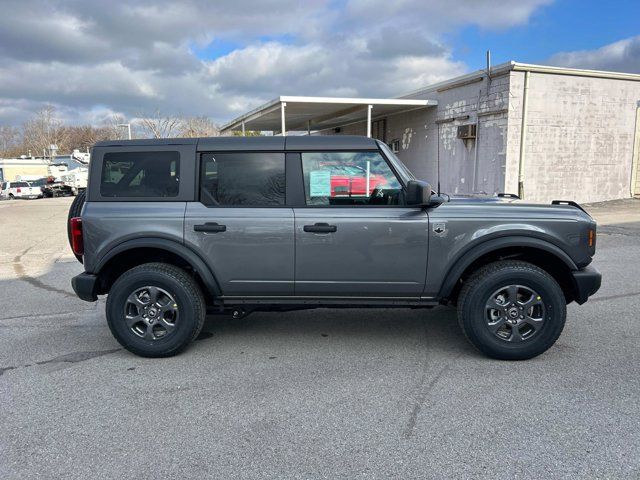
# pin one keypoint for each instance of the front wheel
(155, 310)
(512, 310)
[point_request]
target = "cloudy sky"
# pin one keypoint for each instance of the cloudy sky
(94, 58)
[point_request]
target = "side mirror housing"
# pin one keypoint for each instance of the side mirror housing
(418, 193)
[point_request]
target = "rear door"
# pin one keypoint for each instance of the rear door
(241, 224)
(355, 236)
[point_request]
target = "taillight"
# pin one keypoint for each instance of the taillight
(77, 241)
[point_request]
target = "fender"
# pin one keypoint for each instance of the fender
(477, 251)
(191, 257)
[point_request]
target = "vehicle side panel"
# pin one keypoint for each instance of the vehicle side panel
(107, 224)
(253, 256)
(374, 251)
(457, 229)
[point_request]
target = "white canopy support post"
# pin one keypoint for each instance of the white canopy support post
(244, 133)
(283, 128)
(368, 178)
(369, 108)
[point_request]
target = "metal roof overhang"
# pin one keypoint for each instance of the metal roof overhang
(289, 113)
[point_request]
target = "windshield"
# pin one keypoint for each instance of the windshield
(397, 162)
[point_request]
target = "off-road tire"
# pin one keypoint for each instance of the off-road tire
(74, 211)
(182, 287)
(479, 287)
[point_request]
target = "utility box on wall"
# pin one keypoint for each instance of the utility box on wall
(466, 132)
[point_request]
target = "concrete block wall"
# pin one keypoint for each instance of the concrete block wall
(459, 173)
(580, 137)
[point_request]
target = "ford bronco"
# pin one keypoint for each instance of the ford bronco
(174, 229)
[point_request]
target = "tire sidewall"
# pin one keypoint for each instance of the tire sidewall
(187, 315)
(476, 325)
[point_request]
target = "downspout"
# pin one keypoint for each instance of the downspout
(476, 142)
(635, 161)
(523, 135)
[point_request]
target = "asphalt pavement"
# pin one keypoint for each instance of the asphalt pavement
(314, 394)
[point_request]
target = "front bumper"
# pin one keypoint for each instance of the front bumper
(85, 285)
(587, 282)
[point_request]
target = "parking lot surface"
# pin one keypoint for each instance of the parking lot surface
(314, 394)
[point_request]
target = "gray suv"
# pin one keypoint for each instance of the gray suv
(174, 229)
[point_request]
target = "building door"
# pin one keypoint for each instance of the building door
(355, 236)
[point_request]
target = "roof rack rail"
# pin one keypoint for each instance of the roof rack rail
(568, 202)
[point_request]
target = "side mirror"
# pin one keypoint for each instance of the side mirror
(418, 193)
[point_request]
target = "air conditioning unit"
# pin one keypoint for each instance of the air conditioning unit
(395, 145)
(466, 132)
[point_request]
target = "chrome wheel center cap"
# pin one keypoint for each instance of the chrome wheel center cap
(513, 313)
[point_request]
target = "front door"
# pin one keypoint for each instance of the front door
(355, 236)
(241, 225)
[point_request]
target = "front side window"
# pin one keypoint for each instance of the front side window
(243, 179)
(140, 174)
(349, 178)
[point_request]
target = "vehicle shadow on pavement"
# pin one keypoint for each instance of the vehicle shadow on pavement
(435, 329)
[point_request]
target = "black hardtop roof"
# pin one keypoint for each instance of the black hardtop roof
(302, 142)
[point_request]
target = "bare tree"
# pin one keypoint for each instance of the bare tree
(9, 140)
(113, 127)
(192, 127)
(158, 125)
(42, 131)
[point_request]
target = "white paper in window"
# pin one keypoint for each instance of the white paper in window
(320, 183)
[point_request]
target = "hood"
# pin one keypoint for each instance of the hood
(510, 205)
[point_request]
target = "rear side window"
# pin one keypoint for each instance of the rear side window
(243, 179)
(140, 174)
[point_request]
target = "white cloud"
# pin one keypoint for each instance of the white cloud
(92, 58)
(621, 56)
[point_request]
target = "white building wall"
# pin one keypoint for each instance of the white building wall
(580, 136)
(460, 105)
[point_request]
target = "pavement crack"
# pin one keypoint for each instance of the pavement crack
(76, 357)
(409, 431)
(4, 369)
(614, 297)
(19, 270)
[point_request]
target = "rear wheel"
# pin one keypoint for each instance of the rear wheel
(155, 310)
(512, 310)
(11, 197)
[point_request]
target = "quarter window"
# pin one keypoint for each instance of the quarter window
(140, 174)
(349, 178)
(243, 179)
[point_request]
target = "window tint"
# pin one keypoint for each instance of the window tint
(349, 178)
(243, 179)
(140, 174)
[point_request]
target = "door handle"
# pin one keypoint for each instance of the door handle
(320, 228)
(210, 227)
